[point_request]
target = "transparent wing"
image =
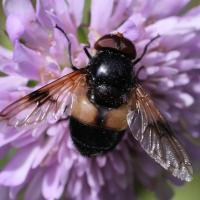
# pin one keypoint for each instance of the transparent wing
(35, 109)
(156, 136)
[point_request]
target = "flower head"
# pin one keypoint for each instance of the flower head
(47, 163)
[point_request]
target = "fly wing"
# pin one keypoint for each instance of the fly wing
(156, 136)
(35, 109)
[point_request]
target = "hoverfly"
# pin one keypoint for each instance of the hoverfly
(101, 101)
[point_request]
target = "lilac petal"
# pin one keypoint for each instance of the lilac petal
(18, 168)
(164, 84)
(86, 190)
(8, 81)
(172, 55)
(117, 162)
(161, 103)
(54, 69)
(143, 179)
(129, 30)
(34, 34)
(185, 65)
(55, 20)
(62, 152)
(79, 61)
(168, 44)
(66, 71)
(23, 9)
(152, 70)
(58, 36)
(62, 11)
(152, 58)
(81, 167)
(181, 79)
(58, 54)
(47, 5)
(66, 167)
(147, 166)
(51, 159)
(108, 170)
(7, 66)
(53, 130)
(92, 38)
(14, 28)
(143, 75)
(162, 27)
(39, 131)
(92, 177)
(24, 140)
(4, 192)
(174, 115)
(4, 150)
(187, 99)
(190, 20)
(42, 16)
(10, 69)
(74, 42)
(43, 151)
(34, 188)
(63, 130)
(28, 70)
(118, 16)
(111, 187)
(163, 190)
(196, 88)
(152, 10)
(71, 184)
(6, 53)
(136, 18)
(22, 53)
(14, 191)
(51, 182)
(101, 160)
(106, 195)
(121, 180)
(125, 151)
(171, 7)
(76, 11)
(36, 37)
(100, 14)
(168, 71)
(75, 186)
(176, 181)
(7, 98)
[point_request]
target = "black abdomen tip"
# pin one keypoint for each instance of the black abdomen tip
(92, 141)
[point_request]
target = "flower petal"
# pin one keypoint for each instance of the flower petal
(28, 70)
(22, 53)
(62, 11)
(76, 10)
(14, 28)
(18, 168)
(34, 188)
(50, 184)
(100, 14)
(23, 9)
(129, 30)
(42, 16)
(4, 150)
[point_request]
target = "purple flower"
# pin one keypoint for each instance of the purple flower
(47, 163)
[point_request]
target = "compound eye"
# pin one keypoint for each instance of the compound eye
(116, 43)
(128, 48)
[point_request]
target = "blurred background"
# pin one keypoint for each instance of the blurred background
(188, 191)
